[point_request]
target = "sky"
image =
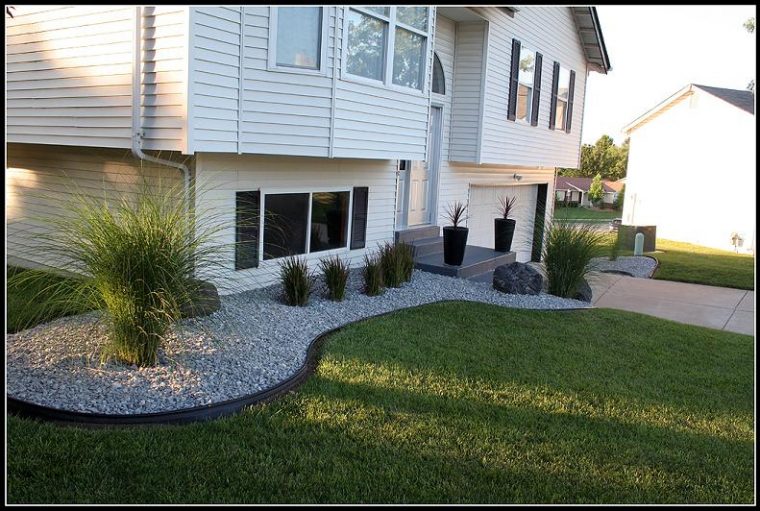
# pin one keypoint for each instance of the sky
(656, 51)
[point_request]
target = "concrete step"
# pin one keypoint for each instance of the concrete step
(486, 277)
(477, 260)
(427, 246)
(417, 233)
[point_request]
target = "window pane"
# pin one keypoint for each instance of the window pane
(564, 83)
(246, 230)
(366, 45)
(285, 224)
(407, 59)
(299, 36)
(385, 11)
(527, 66)
(524, 96)
(559, 119)
(439, 80)
(413, 16)
(329, 220)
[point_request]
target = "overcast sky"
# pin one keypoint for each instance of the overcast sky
(657, 50)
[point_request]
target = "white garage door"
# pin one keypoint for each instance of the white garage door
(484, 207)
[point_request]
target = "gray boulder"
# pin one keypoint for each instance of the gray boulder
(204, 300)
(517, 279)
(583, 292)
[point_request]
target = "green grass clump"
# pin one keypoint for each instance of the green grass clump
(455, 403)
(567, 253)
(397, 260)
(336, 272)
(372, 272)
(296, 280)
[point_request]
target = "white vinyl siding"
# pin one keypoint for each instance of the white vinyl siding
(221, 175)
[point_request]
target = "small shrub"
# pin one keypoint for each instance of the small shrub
(336, 272)
(373, 275)
(567, 254)
(296, 281)
(397, 262)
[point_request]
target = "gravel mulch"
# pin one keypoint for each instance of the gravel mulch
(635, 266)
(252, 343)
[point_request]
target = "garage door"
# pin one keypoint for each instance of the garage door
(484, 207)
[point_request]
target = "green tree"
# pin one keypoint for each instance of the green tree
(595, 191)
(604, 158)
(618, 204)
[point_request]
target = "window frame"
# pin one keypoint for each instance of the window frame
(272, 44)
(531, 87)
(264, 264)
(391, 23)
(563, 127)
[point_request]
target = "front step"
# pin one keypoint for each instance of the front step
(417, 233)
(477, 260)
(427, 246)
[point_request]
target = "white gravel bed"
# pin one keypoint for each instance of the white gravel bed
(252, 343)
(635, 266)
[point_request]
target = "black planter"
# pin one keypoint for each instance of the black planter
(504, 231)
(454, 243)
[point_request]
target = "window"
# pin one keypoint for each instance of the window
(246, 230)
(329, 220)
(439, 81)
(525, 84)
(285, 217)
(298, 37)
(371, 32)
(563, 91)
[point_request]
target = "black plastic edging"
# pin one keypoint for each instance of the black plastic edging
(206, 412)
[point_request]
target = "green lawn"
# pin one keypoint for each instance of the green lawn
(454, 403)
(597, 215)
(685, 262)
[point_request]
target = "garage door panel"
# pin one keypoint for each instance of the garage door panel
(484, 207)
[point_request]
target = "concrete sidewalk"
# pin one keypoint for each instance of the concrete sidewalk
(713, 307)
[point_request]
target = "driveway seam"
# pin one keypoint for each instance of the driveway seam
(735, 309)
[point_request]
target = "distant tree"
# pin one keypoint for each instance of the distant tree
(596, 191)
(618, 203)
(750, 25)
(604, 158)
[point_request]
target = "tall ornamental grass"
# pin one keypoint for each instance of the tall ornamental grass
(397, 260)
(567, 252)
(336, 272)
(296, 280)
(372, 272)
(134, 255)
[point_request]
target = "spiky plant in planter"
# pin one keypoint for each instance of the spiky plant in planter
(504, 227)
(455, 235)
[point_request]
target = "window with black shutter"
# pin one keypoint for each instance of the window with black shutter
(513, 78)
(359, 218)
(536, 90)
(555, 86)
(570, 94)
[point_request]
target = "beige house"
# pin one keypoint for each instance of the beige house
(692, 168)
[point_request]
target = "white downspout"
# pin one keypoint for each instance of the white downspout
(137, 115)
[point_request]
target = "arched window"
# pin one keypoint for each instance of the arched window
(439, 82)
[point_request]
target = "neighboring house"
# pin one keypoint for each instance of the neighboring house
(692, 168)
(574, 190)
(348, 123)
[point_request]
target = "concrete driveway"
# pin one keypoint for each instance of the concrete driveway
(714, 307)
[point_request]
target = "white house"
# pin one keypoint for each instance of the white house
(350, 122)
(691, 168)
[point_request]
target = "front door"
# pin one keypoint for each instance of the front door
(423, 176)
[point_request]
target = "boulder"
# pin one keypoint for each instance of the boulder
(205, 300)
(583, 292)
(517, 279)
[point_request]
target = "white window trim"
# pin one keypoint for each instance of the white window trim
(532, 88)
(274, 263)
(562, 128)
(390, 26)
(272, 45)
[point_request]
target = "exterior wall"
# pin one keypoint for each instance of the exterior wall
(220, 176)
(264, 111)
(550, 31)
(69, 75)
(703, 151)
(41, 178)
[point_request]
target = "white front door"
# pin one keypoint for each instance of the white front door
(423, 176)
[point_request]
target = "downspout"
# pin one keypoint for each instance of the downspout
(137, 116)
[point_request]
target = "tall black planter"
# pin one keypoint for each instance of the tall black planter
(454, 243)
(504, 231)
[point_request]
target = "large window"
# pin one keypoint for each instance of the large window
(563, 94)
(525, 84)
(298, 37)
(371, 33)
(329, 220)
(285, 217)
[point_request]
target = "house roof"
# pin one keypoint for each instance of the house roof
(592, 40)
(742, 99)
(582, 184)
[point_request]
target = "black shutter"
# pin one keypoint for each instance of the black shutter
(555, 87)
(246, 230)
(513, 76)
(536, 90)
(570, 91)
(359, 218)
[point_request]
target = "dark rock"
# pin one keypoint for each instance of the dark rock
(205, 300)
(583, 292)
(517, 279)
